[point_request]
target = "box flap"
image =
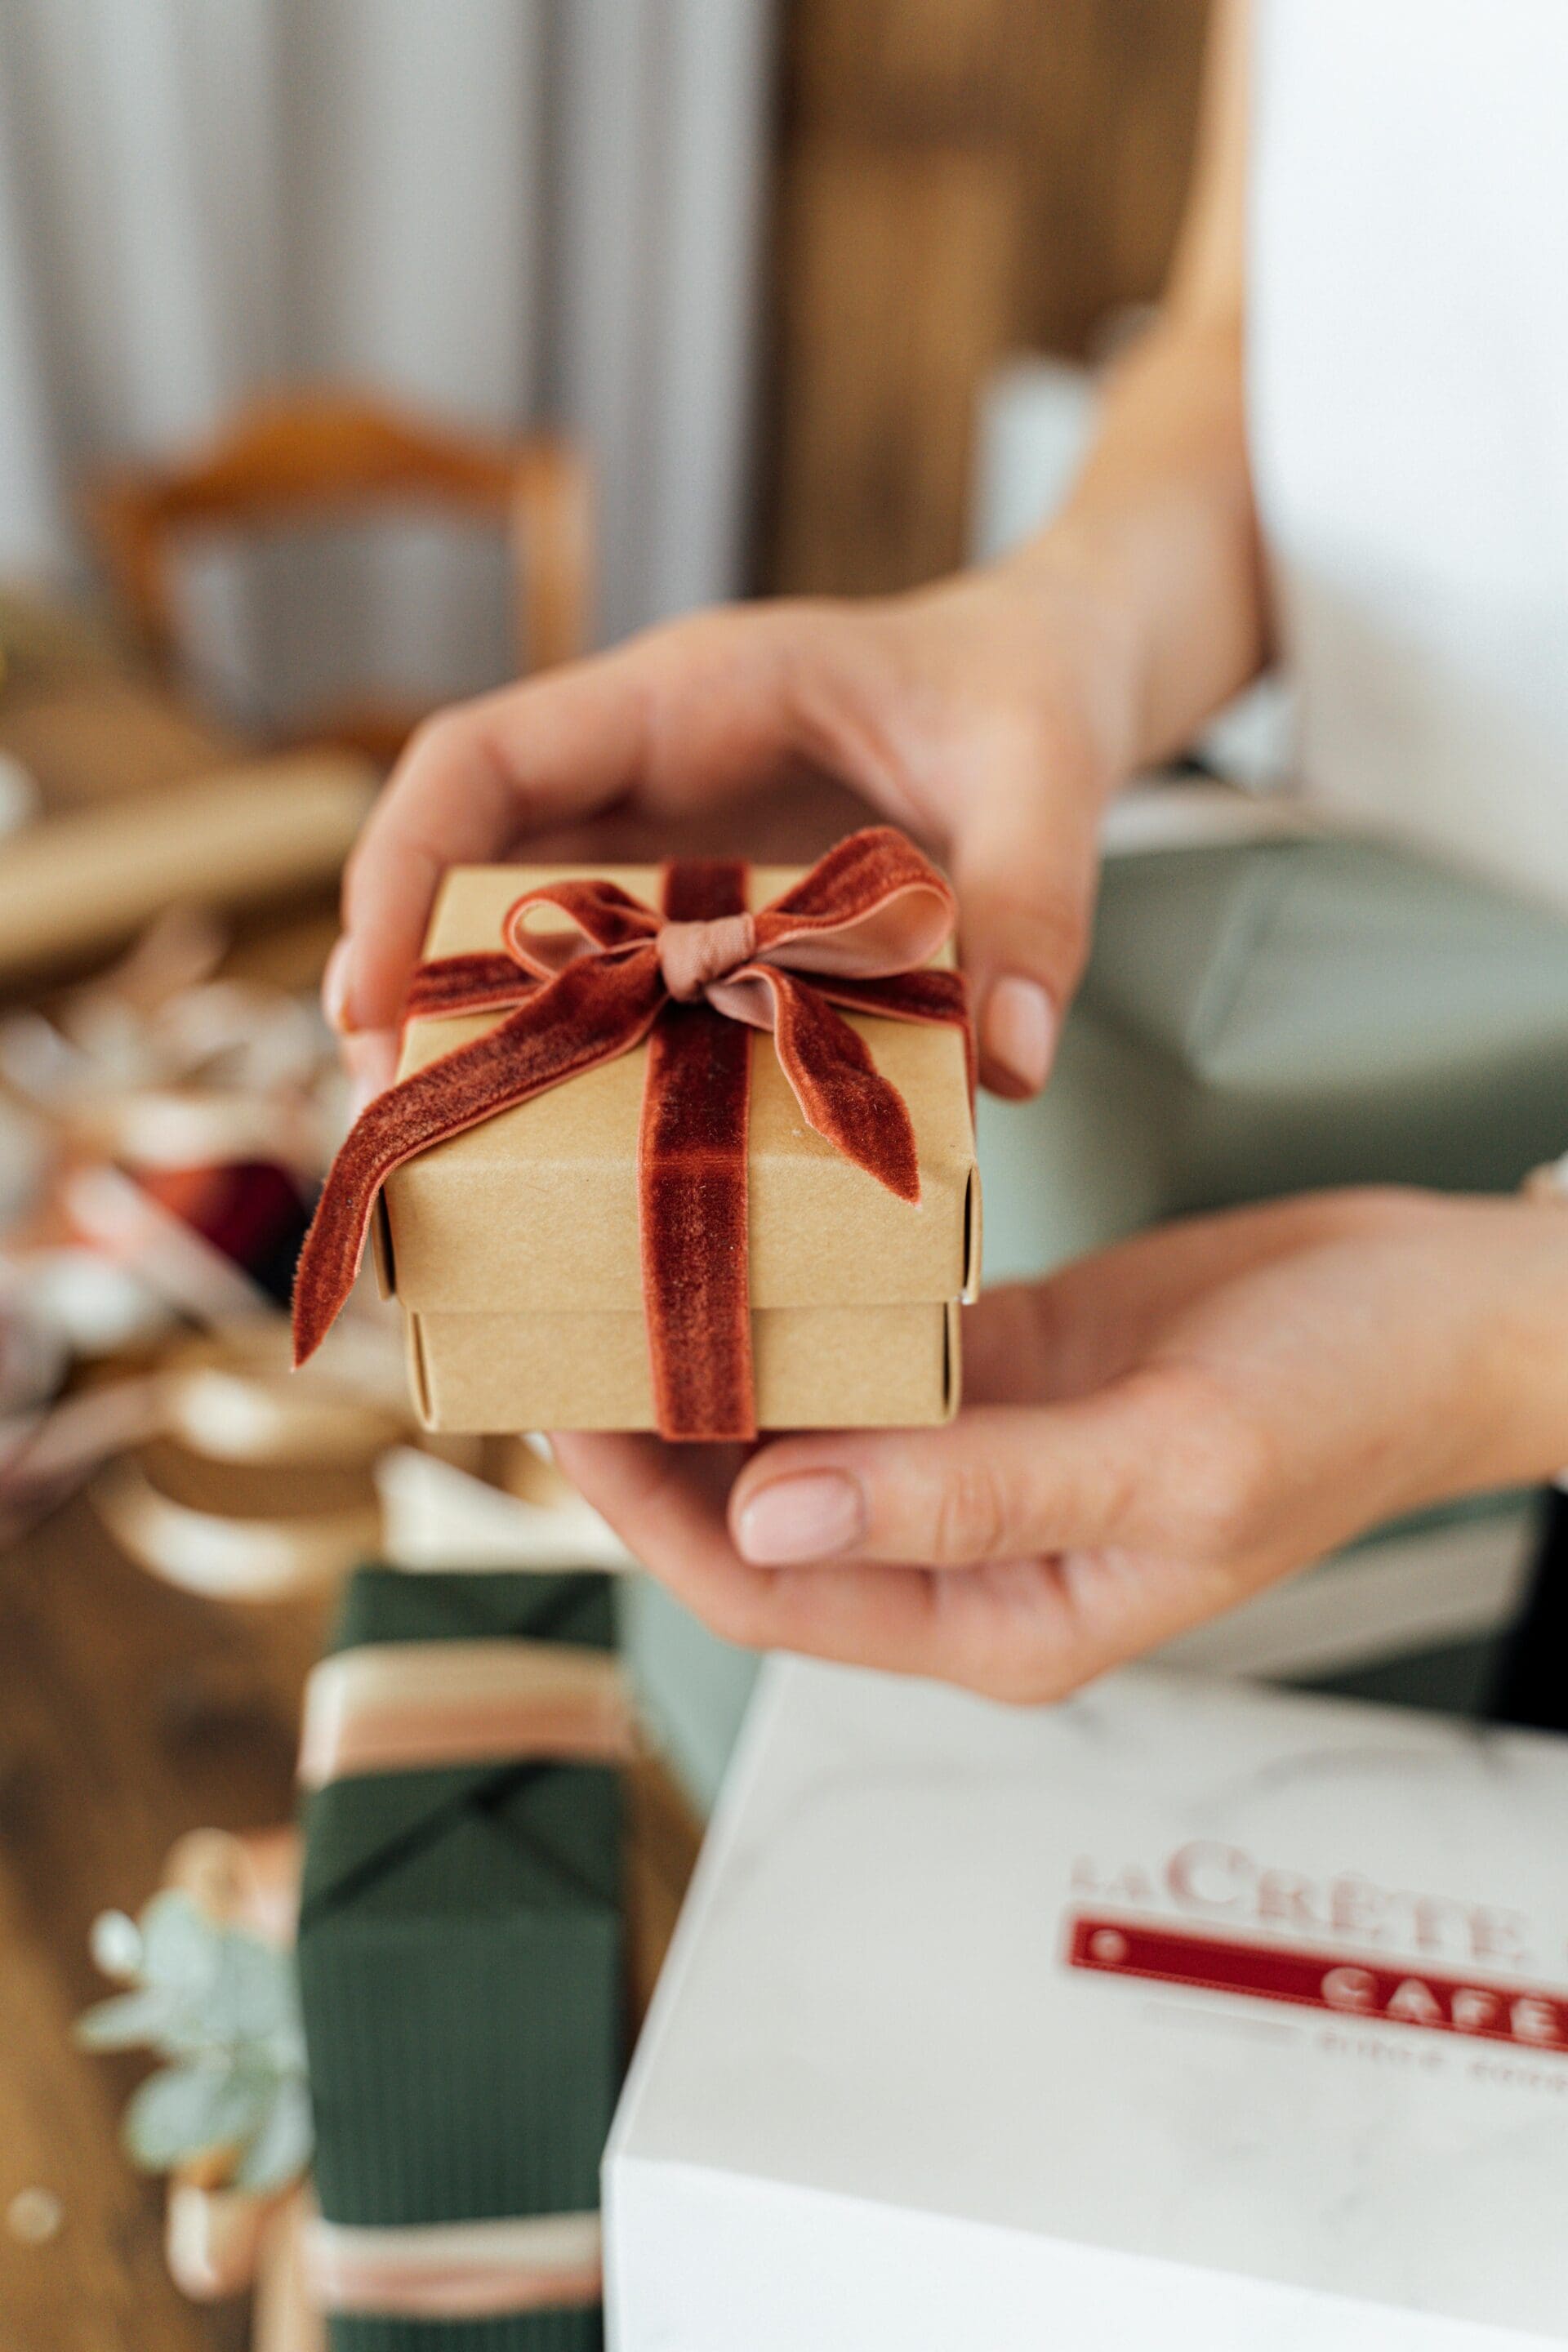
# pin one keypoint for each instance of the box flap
(373, 1828)
(388, 1842)
(538, 1206)
(391, 1604)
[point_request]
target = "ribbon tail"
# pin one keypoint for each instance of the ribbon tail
(841, 1092)
(467, 984)
(593, 1011)
(939, 996)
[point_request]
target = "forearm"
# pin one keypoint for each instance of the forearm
(1522, 1417)
(1159, 543)
(1156, 556)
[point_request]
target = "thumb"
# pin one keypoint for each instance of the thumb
(1142, 1463)
(1025, 866)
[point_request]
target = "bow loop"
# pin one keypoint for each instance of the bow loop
(604, 919)
(871, 908)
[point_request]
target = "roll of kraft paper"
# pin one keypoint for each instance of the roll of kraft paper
(81, 884)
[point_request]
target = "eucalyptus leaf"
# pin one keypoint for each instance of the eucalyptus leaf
(224, 2008)
(285, 2050)
(251, 1995)
(188, 2034)
(187, 2111)
(181, 1946)
(115, 1942)
(279, 2149)
(128, 2021)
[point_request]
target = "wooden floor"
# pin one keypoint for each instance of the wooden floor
(129, 1714)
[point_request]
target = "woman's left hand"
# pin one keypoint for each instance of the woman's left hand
(1147, 1438)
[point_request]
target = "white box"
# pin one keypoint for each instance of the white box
(903, 2091)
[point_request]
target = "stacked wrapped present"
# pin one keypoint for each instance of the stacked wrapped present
(446, 1973)
(460, 1953)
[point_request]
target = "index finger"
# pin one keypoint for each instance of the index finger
(468, 784)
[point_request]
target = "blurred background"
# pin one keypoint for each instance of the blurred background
(759, 259)
(356, 354)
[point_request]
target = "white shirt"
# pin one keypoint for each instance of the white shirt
(1408, 397)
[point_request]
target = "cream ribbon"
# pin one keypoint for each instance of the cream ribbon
(391, 1706)
(216, 2238)
(461, 2270)
(231, 1559)
(229, 1396)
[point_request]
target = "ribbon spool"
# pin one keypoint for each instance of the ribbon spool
(229, 1398)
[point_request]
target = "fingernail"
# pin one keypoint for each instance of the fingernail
(805, 1517)
(335, 987)
(1020, 1029)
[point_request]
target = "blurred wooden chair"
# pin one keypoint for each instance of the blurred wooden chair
(317, 456)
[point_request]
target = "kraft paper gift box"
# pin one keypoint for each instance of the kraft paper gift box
(1182, 2014)
(461, 1964)
(514, 1249)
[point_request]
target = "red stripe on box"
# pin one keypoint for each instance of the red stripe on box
(1527, 2016)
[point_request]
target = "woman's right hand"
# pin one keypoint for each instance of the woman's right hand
(987, 716)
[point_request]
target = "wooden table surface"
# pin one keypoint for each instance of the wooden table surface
(131, 1713)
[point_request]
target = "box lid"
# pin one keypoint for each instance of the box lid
(1180, 1998)
(538, 1205)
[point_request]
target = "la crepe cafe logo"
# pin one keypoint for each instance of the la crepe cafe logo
(1253, 1930)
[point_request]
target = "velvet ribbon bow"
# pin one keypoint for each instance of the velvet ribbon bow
(693, 979)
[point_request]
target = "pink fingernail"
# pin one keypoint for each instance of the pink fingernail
(1020, 1029)
(335, 987)
(809, 1516)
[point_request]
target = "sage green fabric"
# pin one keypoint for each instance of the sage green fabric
(1265, 1018)
(1327, 1011)
(1268, 1017)
(460, 1967)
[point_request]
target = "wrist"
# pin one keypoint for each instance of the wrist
(1036, 640)
(1077, 650)
(1527, 1328)
(1082, 647)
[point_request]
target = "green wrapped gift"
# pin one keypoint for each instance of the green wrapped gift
(460, 1969)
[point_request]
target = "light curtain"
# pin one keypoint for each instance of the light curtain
(507, 211)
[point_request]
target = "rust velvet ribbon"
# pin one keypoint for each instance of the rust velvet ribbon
(693, 979)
